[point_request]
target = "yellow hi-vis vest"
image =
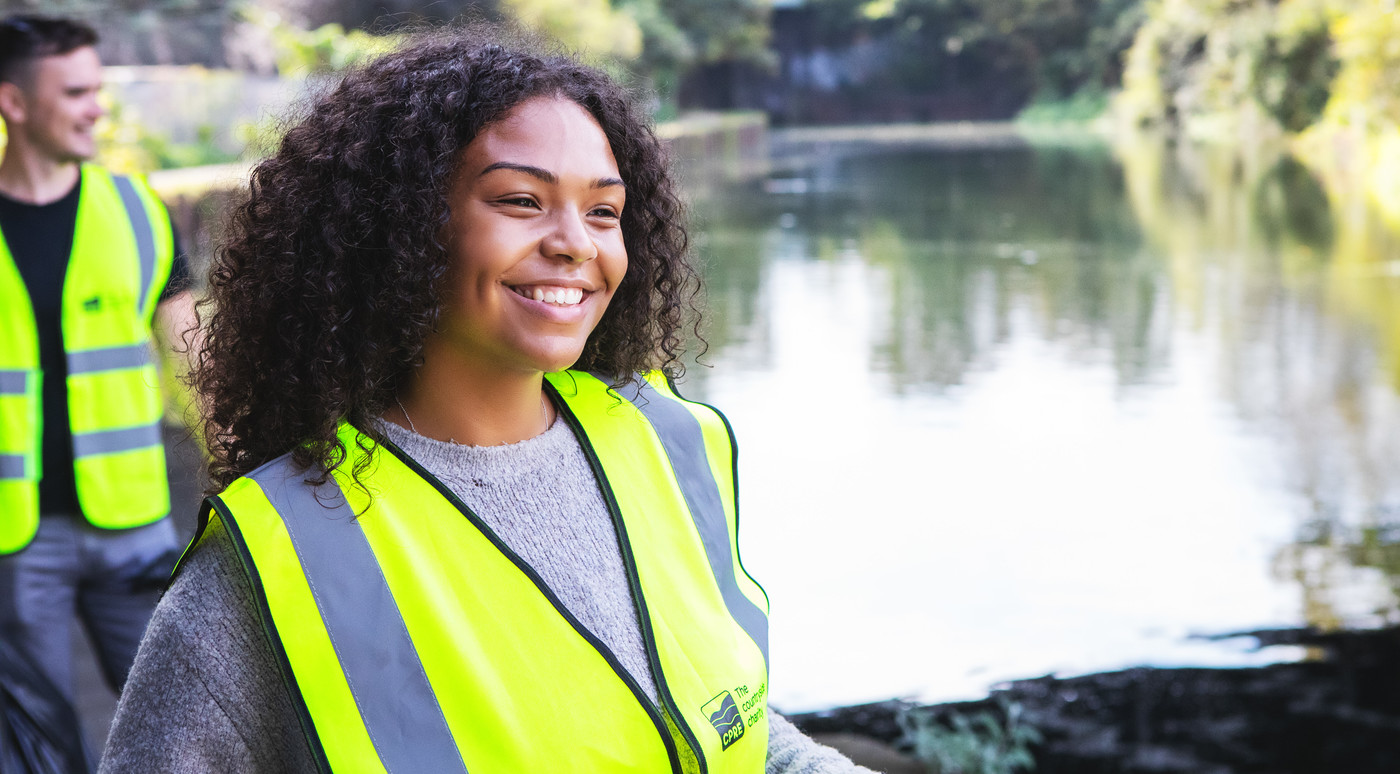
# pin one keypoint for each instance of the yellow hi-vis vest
(121, 259)
(417, 641)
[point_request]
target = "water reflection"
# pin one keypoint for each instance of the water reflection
(1302, 297)
(960, 236)
(1014, 410)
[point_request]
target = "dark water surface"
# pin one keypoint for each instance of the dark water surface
(1006, 410)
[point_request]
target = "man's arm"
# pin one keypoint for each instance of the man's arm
(177, 328)
(178, 341)
(176, 333)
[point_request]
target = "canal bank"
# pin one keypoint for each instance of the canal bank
(1338, 711)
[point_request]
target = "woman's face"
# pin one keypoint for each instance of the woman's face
(535, 241)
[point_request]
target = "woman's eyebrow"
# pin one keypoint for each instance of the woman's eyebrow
(545, 175)
(542, 174)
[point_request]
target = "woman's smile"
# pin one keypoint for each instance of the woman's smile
(551, 294)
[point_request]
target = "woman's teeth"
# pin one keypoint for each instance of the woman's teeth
(557, 296)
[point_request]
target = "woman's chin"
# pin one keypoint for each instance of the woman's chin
(556, 363)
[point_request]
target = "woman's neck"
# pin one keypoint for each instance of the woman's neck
(507, 408)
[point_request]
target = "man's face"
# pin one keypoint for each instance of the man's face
(58, 106)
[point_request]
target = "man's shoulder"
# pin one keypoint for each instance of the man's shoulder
(127, 185)
(92, 170)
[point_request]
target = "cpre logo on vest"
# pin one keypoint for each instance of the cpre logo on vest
(724, 716)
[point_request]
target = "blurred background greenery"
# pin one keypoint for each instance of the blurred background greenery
(1319, 78)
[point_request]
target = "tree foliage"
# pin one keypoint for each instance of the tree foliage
(87, 8)
(722, 30)
(327, 48)
(1293, 75)
(658, 40)
(1367, 43)
(1296, 62)
(1054, 48)
(594, 28)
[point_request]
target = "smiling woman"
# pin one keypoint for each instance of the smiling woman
(461, 520)
(536, 249)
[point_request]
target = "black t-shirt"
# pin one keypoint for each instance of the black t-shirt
(40, 239)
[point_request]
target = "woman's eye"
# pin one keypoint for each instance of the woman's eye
(519, 201)
(605, 212)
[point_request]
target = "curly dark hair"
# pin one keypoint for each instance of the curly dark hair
(332, 271)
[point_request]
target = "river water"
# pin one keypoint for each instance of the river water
(1008, 409)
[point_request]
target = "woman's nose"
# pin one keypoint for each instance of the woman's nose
(570, 239)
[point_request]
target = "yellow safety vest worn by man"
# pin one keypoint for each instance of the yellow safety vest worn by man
(416, 640)
(120, 262)
(87, 262)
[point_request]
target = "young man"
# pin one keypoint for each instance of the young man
(89, 266)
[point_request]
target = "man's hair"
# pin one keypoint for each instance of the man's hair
(25, 38)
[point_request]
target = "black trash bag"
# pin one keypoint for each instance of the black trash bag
(39, 731)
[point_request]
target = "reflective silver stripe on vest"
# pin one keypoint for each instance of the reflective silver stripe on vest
(114, 441)
(684, 442)
(14, 382)
(391, 690)
(145, 238)
(109, 359)
(12, 466)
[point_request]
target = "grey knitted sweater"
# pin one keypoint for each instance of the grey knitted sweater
(206, 693)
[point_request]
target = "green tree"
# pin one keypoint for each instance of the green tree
(86, 8)
(658, 40)
(593, 28)
(327, 48)
(722, 30)
(1219, 62)
(1294, 72)
(1367, 35)
(1052, 48)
